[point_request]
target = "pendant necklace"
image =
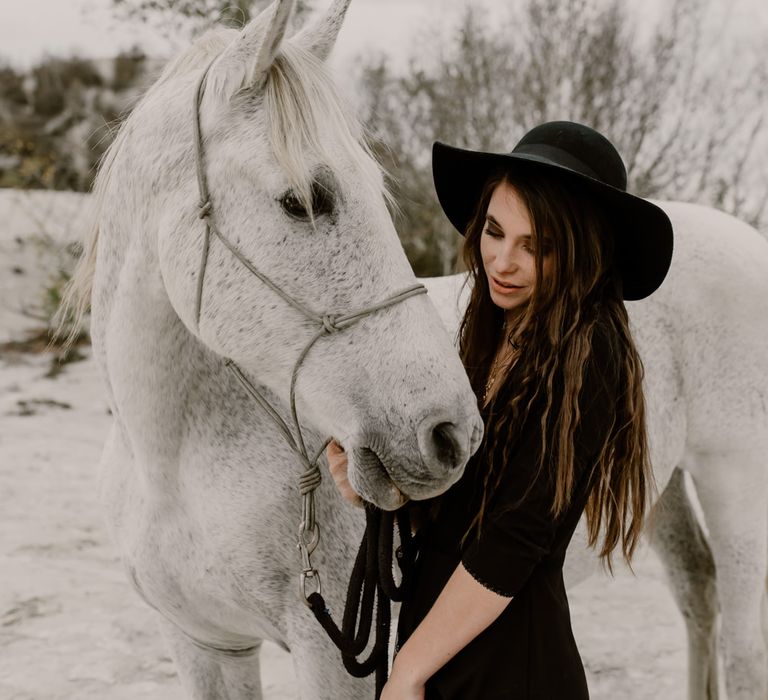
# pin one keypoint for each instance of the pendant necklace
(496, 367)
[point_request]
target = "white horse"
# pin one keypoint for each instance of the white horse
(201, 486)
(202, 489)
(703, 339)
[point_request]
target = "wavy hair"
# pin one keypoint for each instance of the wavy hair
(555, 326)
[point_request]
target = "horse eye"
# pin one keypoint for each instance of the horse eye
(322, 203)
(292, 206)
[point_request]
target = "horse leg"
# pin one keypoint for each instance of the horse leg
(676, 536)
(733, 497)
(319, 669)
(581, 561)
(211, 675)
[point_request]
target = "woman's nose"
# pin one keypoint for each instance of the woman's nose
(508, 261)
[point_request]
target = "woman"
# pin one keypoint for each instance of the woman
(554, 246)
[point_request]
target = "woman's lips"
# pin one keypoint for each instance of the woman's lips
(497, 286)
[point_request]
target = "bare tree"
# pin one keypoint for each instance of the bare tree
(686, 130)
(198, 16)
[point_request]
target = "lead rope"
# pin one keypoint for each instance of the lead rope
(371, 584)
(372, 576)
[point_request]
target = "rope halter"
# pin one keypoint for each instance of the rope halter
(327, 323)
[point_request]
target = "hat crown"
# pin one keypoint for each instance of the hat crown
(577, 147)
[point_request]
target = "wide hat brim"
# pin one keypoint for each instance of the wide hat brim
(643, 231)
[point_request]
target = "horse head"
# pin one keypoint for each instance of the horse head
(295, 193)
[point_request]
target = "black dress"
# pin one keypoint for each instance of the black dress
(528, 652)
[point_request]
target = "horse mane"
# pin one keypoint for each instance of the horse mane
(302, 108)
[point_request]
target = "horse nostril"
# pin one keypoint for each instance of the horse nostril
(445, 444)
(441, 444)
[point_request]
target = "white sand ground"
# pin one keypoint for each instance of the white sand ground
(72, 628)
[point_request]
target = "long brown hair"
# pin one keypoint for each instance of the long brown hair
(555, 329)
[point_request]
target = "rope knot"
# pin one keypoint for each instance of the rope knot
(204, 209)
(310, 479)
(329, 323)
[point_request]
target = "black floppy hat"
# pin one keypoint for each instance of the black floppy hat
(573, 153)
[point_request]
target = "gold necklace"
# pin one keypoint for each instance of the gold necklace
(496, 367)
(489, 384)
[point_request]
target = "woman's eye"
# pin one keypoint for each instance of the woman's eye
(322, 203)
(492, 234)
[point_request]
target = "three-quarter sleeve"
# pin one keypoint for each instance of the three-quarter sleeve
(517, 534)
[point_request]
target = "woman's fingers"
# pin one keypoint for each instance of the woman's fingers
(337, 459)
(334, 447)
(337, 465)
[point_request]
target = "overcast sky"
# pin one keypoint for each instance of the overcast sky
(31, 28)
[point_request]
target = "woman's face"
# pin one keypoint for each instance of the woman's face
(506, 249)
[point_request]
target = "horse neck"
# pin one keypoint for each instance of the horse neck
(169, 393)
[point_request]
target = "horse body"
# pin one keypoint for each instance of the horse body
(719, 294)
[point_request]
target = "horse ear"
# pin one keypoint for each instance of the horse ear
(320, 36)
(245, 63)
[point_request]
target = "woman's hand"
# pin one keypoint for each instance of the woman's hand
(337, 463)
(398, 687)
